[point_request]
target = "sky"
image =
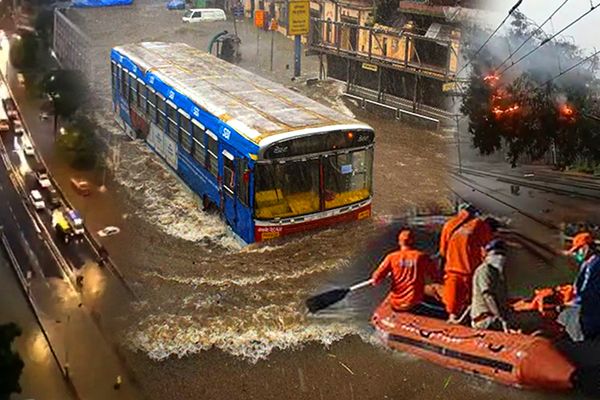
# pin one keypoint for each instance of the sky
(585, 33)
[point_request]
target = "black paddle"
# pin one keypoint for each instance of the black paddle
(325, 299)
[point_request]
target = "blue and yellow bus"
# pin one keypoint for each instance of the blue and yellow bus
(272, 161)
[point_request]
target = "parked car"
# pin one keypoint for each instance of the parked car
(81, 186)
(204, 14)
(27, 146)
(43, 179)
(37, 199)
(18, 127)
(108, 231)
(21, 79)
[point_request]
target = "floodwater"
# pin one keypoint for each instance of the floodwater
(216, 320)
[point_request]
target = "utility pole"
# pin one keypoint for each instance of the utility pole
(297, 55)
(272, 27)
(457, 116)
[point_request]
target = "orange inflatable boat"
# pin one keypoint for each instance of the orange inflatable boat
(510, 358)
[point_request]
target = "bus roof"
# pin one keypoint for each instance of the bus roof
(255, 107)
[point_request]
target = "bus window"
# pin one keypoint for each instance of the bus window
(347, 178)
(139, 101)
(185, 132)
(199, 146)
(172, 129)
(228, 174)
(286, 189)
(243, 178)
(160, 108)
(114, 72)
(151, 107)
(124, 84)
(213, 150)
(132, 89)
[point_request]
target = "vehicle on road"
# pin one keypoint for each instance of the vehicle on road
(108, 231)
(4, 123)
(204, 14)
(61, 226)
(75, 221)
(21, 79)
(27, 146)
(53, 198)
(43, 179)
(18, 127)
(10, 107)
(37, 199)
(81, 186)
(272, 161)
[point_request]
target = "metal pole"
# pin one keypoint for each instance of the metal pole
(272, 40)
(257, 41)
(297, 55)
(458, 145)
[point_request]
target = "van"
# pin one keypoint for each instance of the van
(204, 14)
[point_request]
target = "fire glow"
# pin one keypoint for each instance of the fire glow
(497, 111)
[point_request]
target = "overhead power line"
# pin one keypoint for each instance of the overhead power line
(572, 67)
(539, 28)
(549, 39)
(517, 4)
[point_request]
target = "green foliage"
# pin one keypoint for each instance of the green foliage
(78, 144)
(524, 114)
(11, 364)
(66, 89)
(23, 53)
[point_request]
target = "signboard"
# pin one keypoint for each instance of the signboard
(455, 88)
(370, 67)
(259, 18)
(298, 14)
(238, 11)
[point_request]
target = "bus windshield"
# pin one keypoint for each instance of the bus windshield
(298, 187)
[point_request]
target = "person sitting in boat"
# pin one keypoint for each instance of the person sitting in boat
(582, 318)
(461, 243)
(490, 292)
(408, 268)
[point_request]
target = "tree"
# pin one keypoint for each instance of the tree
(11, 364)
(66, 91)
(523, 110)
(23, 53)
(77, 143)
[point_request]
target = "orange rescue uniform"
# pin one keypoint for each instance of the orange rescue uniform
(408, 268)
(462, 251)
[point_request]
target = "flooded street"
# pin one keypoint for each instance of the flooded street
(217, 320)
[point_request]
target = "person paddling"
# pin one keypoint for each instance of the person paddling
(408, 268)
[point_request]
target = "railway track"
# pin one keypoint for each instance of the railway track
(584, 190)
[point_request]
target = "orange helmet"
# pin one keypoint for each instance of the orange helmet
(581, 239)
(406, 237)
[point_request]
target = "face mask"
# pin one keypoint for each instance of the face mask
(579, 256)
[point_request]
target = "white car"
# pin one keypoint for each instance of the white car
(37, 199)
(21, 79)
(28, 147)
(43, 180)
(18, 127)
(204, 14)
(108, 231)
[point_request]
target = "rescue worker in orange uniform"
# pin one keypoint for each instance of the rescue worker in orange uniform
(462, 243)
(408, 268)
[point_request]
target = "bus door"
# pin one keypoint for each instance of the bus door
(228, 189)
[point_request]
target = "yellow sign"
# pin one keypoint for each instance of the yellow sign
(450, 87)
(298, 22)
(370, 67)
(259, 18)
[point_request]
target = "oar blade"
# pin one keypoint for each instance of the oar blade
(326, 299)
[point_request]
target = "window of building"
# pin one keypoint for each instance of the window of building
(213, 150)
